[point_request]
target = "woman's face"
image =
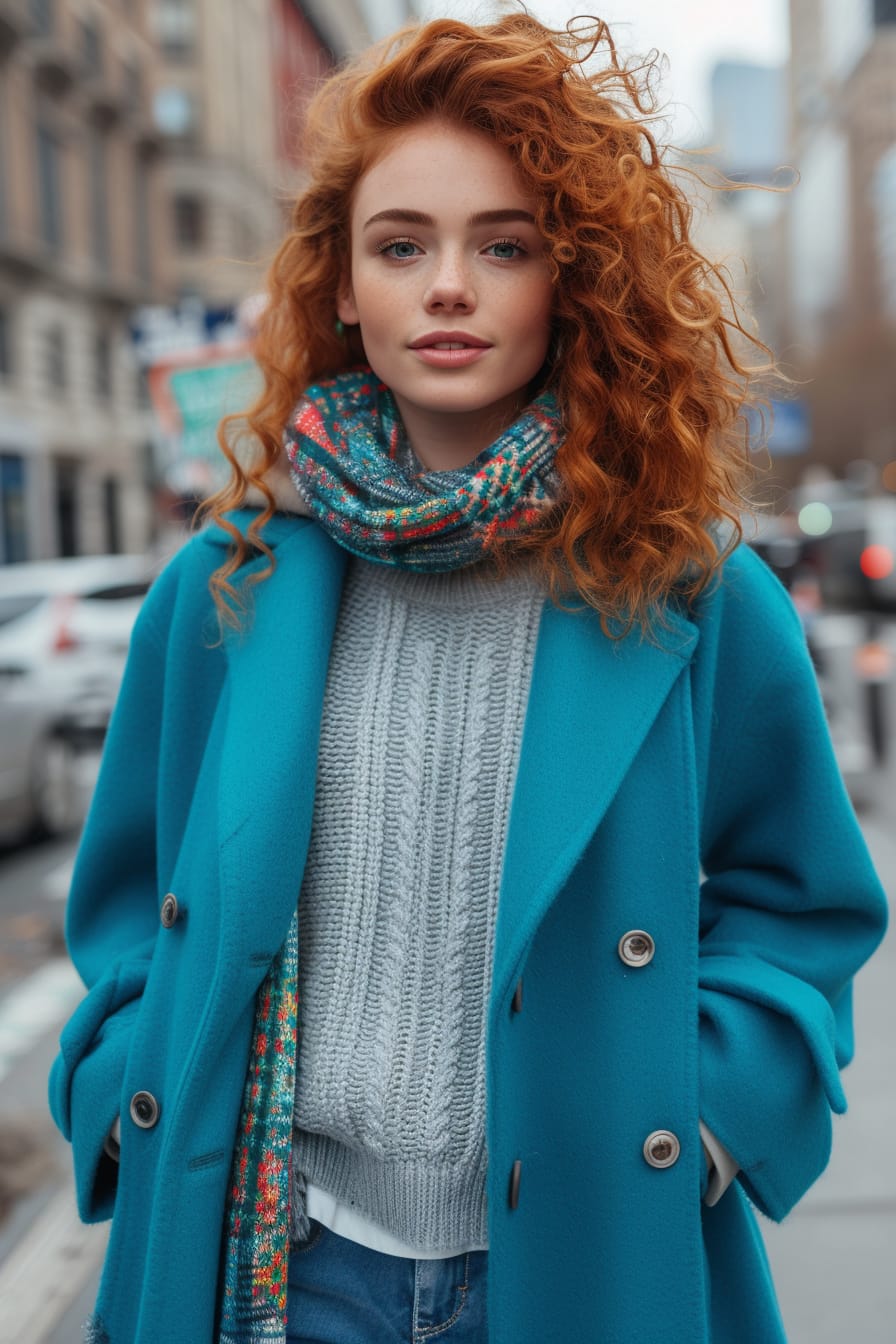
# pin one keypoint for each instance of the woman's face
(450, 286)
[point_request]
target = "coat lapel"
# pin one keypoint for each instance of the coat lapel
(269, 755)
(591, 703)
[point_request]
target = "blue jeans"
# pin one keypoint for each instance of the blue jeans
(343, 1293)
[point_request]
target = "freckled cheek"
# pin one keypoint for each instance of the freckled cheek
(380, 308)
(375, 313)
(538, 320)
(537, 303)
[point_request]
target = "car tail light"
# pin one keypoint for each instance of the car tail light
(876, 562)
(63, 639)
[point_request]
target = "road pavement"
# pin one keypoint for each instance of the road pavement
(832, 1258)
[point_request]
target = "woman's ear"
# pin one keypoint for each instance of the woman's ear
(346, 310)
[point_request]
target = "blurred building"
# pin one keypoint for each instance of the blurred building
(750, 124)
(233, 80)
(750, 132)
(148, 152)
(81, 219)
(742, 228)
(822, 252)
(841, 323)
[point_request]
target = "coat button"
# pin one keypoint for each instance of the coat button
(517, 1004)
(144, 1110)
(169, 911)
(513, 1194)
(636, 948)
(661, 1148)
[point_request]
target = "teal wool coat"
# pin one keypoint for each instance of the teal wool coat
(685, 788)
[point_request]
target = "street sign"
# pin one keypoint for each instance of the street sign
(192, 392)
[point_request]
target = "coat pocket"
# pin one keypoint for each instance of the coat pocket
(86, 1082)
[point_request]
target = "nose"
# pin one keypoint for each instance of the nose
(451, 285)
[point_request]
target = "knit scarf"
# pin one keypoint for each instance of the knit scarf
(256, 1224)
(353, 465)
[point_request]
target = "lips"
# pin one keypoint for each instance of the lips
(449, 340)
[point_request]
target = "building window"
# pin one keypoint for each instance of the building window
(148, 466)
(189, 222)
(4, 223)
(56, 357)
(111, 514)
(49, 176)
(883, 199)
(174, 112)
(99, 199)
(175, 28)
(91, 48)
(13, 534)
(133, 84)
(142, 231)
(142, 395)
(6, 361)
(66, 506)
(102, 366)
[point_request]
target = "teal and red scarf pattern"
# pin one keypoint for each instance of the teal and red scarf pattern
(352, 464)
(256, 1224)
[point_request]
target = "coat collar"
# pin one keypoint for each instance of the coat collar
(591, 704)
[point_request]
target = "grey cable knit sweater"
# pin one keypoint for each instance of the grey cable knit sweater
(420, 734)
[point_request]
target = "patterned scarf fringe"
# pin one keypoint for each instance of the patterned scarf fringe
(257, 1217)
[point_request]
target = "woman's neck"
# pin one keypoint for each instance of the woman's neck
(449, 440)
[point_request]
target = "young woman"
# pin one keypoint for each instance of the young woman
(468, 730)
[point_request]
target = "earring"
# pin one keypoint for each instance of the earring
(339, 328)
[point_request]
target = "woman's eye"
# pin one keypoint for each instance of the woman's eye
(399, 248)
(505, 249)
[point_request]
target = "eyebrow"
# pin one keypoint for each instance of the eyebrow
(483, 217)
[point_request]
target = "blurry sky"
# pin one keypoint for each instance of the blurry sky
(694, 34)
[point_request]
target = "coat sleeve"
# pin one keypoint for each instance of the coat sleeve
(111, 923)
(790, 906)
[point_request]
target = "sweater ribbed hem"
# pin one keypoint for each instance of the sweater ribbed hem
(425, 1205)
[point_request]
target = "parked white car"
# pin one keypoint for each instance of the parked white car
(65, 626)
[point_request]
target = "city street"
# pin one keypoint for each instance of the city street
(687, 338)
(831, 1258)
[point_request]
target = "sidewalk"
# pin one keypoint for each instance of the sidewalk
(833, 1257)
(59, 1257)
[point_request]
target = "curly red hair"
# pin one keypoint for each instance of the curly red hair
(648, 341)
